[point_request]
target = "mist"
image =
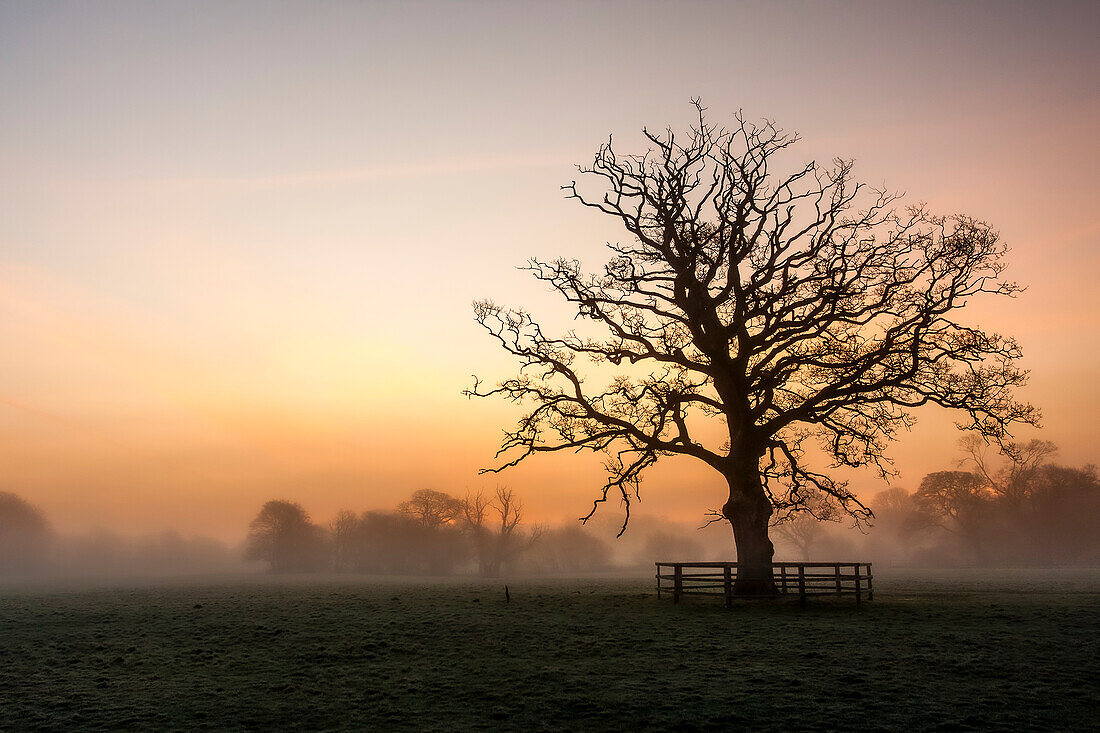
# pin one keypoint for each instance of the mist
(1023, 512)
(31, 550)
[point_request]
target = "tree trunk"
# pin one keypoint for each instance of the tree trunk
(749, 512)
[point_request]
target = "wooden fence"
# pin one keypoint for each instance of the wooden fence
(804, 578)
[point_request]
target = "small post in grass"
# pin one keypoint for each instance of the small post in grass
(802, 585)
(677, 582)
(859, 592)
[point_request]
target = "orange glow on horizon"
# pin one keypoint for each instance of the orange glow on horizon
(232, 275)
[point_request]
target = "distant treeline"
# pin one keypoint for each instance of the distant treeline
(432, 533)
(1026, 511)
(1020, 509)
(29, 546)
(1016, 510)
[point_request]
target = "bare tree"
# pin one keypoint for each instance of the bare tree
(495, 526)
(431, 508)
(805, 529)
(343, 528)
(475, 509)
(779, 308)
(1014, 482)
(475, 512)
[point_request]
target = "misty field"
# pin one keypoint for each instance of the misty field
(943, 651)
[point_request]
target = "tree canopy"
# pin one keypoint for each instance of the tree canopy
(283, 535)
(784, 307)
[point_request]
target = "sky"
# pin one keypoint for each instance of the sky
(239, 241)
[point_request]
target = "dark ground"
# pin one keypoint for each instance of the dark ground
(946, 651)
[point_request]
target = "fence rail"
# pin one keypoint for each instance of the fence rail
(802, 578)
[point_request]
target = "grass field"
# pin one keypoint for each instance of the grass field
(961, 651)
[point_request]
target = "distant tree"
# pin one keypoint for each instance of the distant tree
(892, 505)
(432, 508)
(1015, 480)
(434, 516)
(344, 529)
(283, 536)
(898, 525)
(958, 502)
(950, 495)
(494, 524)
(1066, 515)
(390, 543)
(1013, 483)
(805, 530)
(1018, 509)
(24, 535)
(766, 309)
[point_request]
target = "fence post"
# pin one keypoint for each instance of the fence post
(658, 579)
(870, 584)
(859, 592)
(802, 585)
(783, 577)
(727, 580)
(677, 582)
(839, 590)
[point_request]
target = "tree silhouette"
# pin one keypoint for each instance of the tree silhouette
(431, 508)
(1015, 482)
(434, 515)
(343, 529)
(898, 526)
(953, 498)
(24, 534)
(752, 313)
(494, 524)
(1065, 516)
(283, 535)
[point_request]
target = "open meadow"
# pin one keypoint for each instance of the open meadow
(962, 650)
